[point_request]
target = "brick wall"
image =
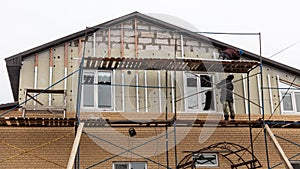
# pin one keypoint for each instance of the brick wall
(35, 147)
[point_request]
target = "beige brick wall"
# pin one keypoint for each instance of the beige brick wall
(50, 147)
(35, 148)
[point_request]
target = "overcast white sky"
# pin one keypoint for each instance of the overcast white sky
(28, 23)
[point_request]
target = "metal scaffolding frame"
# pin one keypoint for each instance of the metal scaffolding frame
(184, 65)
(175, 64)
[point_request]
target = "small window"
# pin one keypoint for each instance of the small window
(290, 96)
(287, 102)
(129, 165)
(296, 164)
(206, 160)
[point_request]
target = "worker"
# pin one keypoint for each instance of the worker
(227, 97)
(230, 54)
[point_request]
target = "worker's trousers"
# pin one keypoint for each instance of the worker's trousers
(228, 109)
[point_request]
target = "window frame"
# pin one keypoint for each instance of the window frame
(283, 87)
(207, 165)
(96, 107)
(129, 164)
(295, 164)
(199, 96)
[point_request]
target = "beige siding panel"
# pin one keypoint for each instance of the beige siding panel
(26, 77)
(239, 96)
(89, 51)
(254, 95)
(101, 44)
(179, 96)
(153, 101)
(129, 53)
(118, 90)
(141, 89)
(73, 65)
(130, 90)
(169, 93)
(116, 52)
(265, 92)
(43, 75)
(155, 54)
(58, 74)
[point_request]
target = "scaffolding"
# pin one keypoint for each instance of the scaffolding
(181, 64)
(168, 65)
(176, 64)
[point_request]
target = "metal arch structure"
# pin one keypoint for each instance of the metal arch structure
(236, 154)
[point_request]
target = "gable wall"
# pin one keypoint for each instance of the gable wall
(148, 41)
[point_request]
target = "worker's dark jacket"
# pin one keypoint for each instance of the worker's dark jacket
(226, 90)
(232, 53)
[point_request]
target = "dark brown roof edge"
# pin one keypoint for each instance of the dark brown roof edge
(159, 23)
(7, 106)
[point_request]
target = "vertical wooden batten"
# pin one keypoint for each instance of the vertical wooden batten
(36, 64)
(50, 73)
(122, 40)
(65, 65)
(108, 44)
(270, 94)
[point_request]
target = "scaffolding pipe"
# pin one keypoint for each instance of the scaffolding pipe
(262, 95)
(77, 163)
(174, 103)
(249, 116)
(259, 93)
(167, 134)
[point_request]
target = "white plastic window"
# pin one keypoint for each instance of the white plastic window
(290, 96)
(97, 90)
(199, 93)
